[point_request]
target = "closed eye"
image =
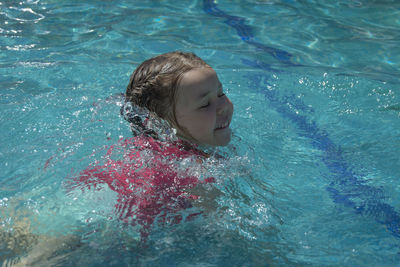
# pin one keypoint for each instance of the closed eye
(221, 94)
(206, 105)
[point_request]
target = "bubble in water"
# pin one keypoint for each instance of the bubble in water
(145, 122)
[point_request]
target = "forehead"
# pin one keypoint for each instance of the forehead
(198, 82)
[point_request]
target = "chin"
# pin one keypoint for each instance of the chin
(223, 141)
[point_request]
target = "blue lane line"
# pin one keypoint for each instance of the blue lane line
(245, 32)
(345, 186)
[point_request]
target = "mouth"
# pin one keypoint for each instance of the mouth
(222, 125)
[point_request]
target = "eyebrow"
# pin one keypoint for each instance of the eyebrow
(201, 96)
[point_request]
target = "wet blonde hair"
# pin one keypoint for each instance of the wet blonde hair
(154, 84)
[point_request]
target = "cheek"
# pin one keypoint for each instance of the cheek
(199, 123)
(208, 119)
(187, 124)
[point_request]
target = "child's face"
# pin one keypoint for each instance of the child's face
(202, 109)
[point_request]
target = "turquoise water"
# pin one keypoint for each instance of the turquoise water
(314, 176)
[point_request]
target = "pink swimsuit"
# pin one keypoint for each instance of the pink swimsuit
(149, 188)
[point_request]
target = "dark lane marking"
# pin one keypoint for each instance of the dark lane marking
(245, 32)
(345, 187)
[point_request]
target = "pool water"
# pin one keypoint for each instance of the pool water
(311, 176)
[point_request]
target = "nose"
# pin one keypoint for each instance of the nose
(224, 106)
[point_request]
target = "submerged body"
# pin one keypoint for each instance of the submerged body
(148, 184)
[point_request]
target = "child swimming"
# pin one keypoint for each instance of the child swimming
(175, 104)
(178, 93)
